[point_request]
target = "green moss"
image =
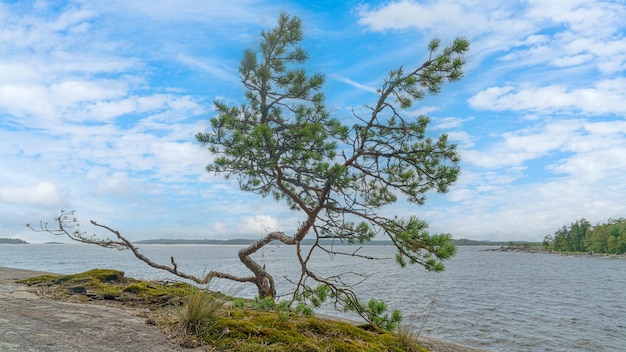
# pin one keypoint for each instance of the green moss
(42, 279)
(111, 293)
(112, 285)
(266, 331)
(136, 288)
(101, 275)
(248, 326)
(91, 276)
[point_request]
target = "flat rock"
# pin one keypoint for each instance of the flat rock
(30, 323)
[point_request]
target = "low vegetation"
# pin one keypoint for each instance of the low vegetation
(194, 317)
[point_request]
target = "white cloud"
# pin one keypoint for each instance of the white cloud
(178, 106)
(178, 161)
(499, 196)
(410, 14)
(580, 15)
(94, 100)
(565, 136)
(575, 33)
(529, 212)
(185, 10)
(585, 32)
(447, 123)
(489, 26)
(101, 100)
(462, 139)
(66, 93)
(107, 110)
(572, 60)
(355, 84)
(257, 225)
(603, 165)
(218, 69)
(43, 194)
(604, 97)
(538, 142)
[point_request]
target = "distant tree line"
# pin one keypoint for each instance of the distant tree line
(581, 236)
(466, 242)
(310, 242)
(4, 240)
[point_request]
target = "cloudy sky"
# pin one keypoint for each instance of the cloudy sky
(100, 101)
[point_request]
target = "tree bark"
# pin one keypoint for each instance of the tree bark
(263, 280)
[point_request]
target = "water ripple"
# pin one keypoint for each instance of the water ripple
(492, 300)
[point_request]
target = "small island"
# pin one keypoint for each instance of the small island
(12, 241)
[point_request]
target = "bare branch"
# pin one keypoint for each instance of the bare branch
(68, 226)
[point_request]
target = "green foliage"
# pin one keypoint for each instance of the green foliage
(304, 310)
(339, 172)
(313, 296)
(376, 312)
(239, 302)
(284, 309)
(580, 236)
(284, 143)
(411, 237)
(265, 303)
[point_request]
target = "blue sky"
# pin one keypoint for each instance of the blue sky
(100, 100)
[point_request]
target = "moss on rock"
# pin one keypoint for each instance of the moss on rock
(242, 327)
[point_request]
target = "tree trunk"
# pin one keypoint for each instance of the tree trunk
(263, 280)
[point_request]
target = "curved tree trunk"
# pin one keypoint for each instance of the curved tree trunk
(263, 280)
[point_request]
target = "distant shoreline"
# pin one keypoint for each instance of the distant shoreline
(245, 241)
(249, 241)
(540, 250)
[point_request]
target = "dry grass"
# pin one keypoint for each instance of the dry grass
(198, 312)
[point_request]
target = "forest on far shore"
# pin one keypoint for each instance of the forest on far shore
(243, 241)
(581, 236)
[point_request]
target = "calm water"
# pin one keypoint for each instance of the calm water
(492, 300)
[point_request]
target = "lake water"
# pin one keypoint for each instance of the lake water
(492, 300)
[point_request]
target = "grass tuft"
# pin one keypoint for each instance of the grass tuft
(198, 312)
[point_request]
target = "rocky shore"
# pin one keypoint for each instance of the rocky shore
(31, 323)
